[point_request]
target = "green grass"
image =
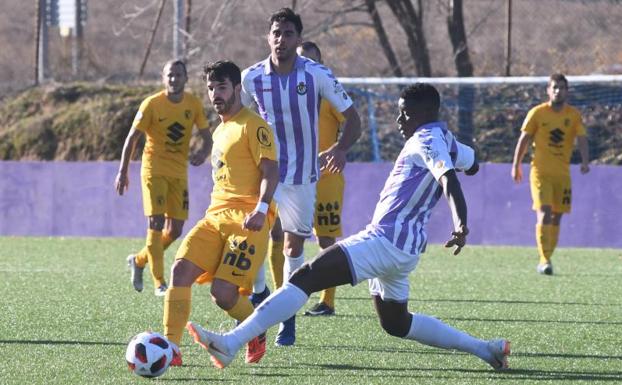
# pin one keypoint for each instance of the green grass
(68, 311)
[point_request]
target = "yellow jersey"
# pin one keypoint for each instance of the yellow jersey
(168, 129)
(330, 121)
(239, 145)
(553, 134)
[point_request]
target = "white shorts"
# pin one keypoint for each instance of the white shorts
(373, 257)
(296, 205)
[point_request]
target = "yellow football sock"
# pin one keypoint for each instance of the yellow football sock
(142, 257)
(328, 296)
(177, 304)
(242, 309)
(276, 261)
(543, 236)
(155, 252)
(553, 238)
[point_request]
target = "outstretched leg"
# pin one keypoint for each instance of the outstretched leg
(397, 321)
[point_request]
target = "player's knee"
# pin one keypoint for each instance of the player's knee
(395, 327)
(181, 273)
(156, 222)
(224, 297)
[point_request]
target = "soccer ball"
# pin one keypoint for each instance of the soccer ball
(149, 354)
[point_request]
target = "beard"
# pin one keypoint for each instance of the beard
(226, 105)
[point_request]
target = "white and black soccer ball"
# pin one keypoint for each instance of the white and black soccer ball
(149, 354)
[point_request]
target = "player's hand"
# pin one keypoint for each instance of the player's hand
(517, 173)
(585, 168)
(254, 221)
(333, 160)
(121, 183)
(458, 239)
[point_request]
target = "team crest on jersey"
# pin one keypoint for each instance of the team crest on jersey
(263, 136)
(430, 153)
(301, 88)
(188, 114)
(566, 122)
(338, 87)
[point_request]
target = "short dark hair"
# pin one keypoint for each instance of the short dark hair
(175, 62)
(287, 14)
(558, 77)
(221, 70)
(310, 46)
(424, 95)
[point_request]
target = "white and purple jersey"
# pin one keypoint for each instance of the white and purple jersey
(290, 104)
(412, 188)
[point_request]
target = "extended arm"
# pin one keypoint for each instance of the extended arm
(334, 159)
(122, 181)
(584, 150)
(519, 153)
(457, 205)
(269, 180)
(199, 157)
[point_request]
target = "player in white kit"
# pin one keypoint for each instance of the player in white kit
(388, 249)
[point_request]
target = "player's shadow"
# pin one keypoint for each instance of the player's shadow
(491, 301)
(61, 342)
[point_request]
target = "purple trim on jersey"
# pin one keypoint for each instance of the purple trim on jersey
(258, 83)
(297, 126)
(401, 239)
(280, 127)
(312, 108)
(386, 223)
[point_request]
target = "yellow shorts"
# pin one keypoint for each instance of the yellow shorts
(165, 195)
(219, 245)
(554, 191)
(328, 205)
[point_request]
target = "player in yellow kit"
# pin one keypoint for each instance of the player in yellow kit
(329, 199)
(551, 128)
(229, 244)
(166, 119)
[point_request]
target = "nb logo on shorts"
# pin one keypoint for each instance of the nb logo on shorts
(237, 256)
(326, 216)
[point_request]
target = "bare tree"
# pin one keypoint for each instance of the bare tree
(411, 21)
(383, 38)
(464, 68)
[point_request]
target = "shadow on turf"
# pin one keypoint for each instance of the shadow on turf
(60, 342)
(496, 301)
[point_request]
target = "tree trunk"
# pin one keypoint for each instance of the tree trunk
(464, 67)
(411, 21)
(382, 37)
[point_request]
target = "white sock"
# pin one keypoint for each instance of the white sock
(430, 331)
(279, 306)
(260, 280)
(291, 264)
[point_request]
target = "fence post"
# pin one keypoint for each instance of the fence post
(373, 127)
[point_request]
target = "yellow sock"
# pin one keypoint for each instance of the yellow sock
(156, 256)
(553, 237)
(276, 261)
(328, 296)
(242, 309)
(543, 242)
(177, 304)
(143, 255)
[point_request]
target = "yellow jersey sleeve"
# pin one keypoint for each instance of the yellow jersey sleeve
(200, 121)
(239, 145)
(143, 118)
(330, 121)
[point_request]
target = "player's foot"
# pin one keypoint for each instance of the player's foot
(255, 349)
(136, 273)
(545, 268)
(213, 343)
(160, 291)
(320, 308)
(287, 333)
(499, 352)
(257, 298)
(176, 361)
